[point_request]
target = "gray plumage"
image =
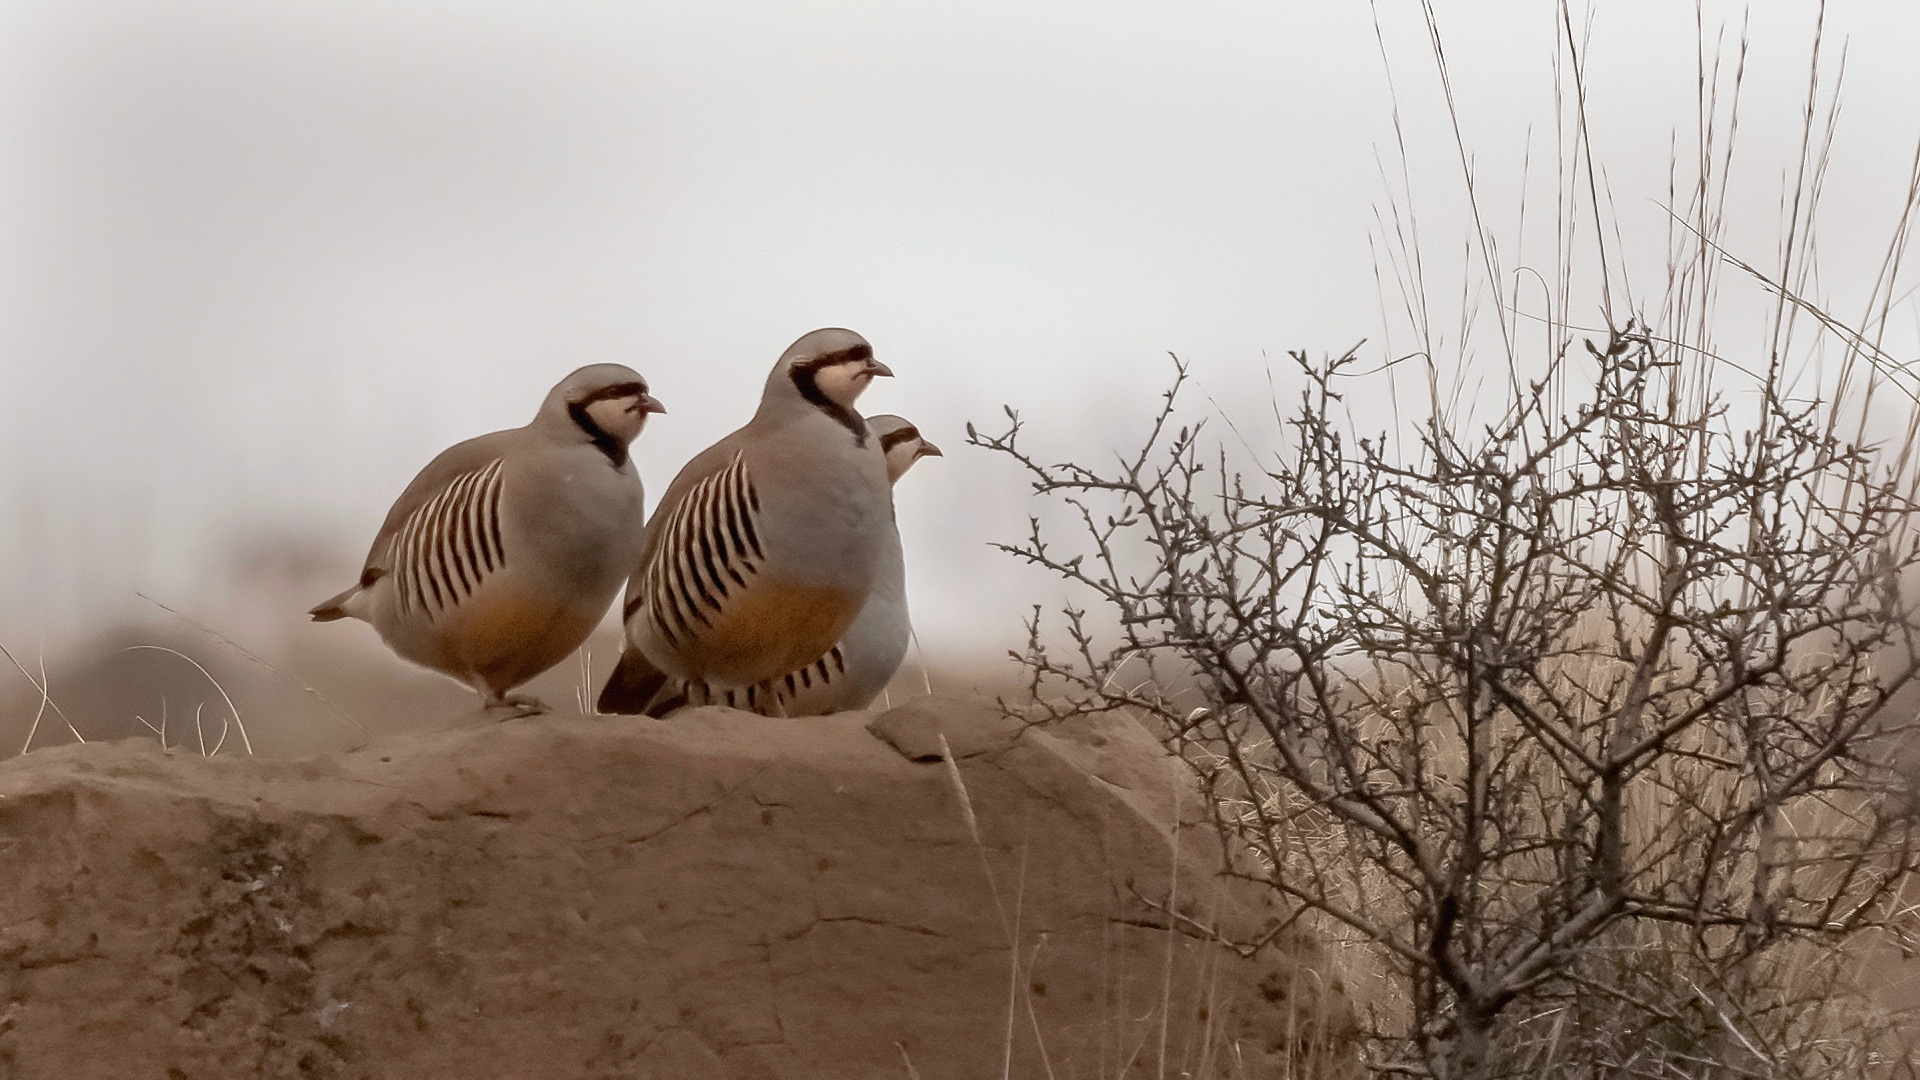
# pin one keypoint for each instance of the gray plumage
(504, 552)
(854, 672)
(766, 545)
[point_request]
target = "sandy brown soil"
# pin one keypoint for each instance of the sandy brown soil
(718, 896)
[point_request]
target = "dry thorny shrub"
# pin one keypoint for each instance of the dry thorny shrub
(1584, 722)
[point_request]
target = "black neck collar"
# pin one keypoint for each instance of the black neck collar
(806, 380)
(615, 450)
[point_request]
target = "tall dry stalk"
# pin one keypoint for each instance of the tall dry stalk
(1579, 703)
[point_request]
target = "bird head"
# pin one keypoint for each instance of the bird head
(829, 368)
(902, 443)
(609, 402)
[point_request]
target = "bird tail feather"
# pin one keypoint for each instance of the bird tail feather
(664, 703)
(634, 684)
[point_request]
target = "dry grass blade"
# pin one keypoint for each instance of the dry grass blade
(158, 732)
(232, 709)
(912, 1073)
(1573, 704)
(999, 906)
(261, 661)
(46, 701)
(1172, 934)
(584, 697)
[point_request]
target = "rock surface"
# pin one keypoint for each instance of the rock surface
(717, 896)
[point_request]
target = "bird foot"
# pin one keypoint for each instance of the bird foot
(516, 705)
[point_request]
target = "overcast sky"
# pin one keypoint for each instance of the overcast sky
(259, 262)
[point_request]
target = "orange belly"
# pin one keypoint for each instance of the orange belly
(772, 629)
(507, 635)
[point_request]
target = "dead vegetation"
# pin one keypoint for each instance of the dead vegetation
(1576, 703)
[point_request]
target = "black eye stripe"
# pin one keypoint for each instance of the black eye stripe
(894, 438)
(851, 353)
(617, 390)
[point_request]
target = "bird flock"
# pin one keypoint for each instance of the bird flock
(770, 578)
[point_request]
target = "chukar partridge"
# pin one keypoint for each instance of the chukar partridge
(765, 547)
(855, 671)
(503, 554)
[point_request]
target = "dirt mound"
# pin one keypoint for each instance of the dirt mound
(718, 896)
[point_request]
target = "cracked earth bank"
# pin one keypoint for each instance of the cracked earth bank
(719, 896)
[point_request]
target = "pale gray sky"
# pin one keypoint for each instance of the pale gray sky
(259, 262)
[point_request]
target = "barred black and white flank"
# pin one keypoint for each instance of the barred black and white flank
(767, 545)
(503, 554)
(854, 672)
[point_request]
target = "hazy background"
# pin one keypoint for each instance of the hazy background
(259, 262)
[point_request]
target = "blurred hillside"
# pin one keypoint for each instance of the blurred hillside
(302, 688)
